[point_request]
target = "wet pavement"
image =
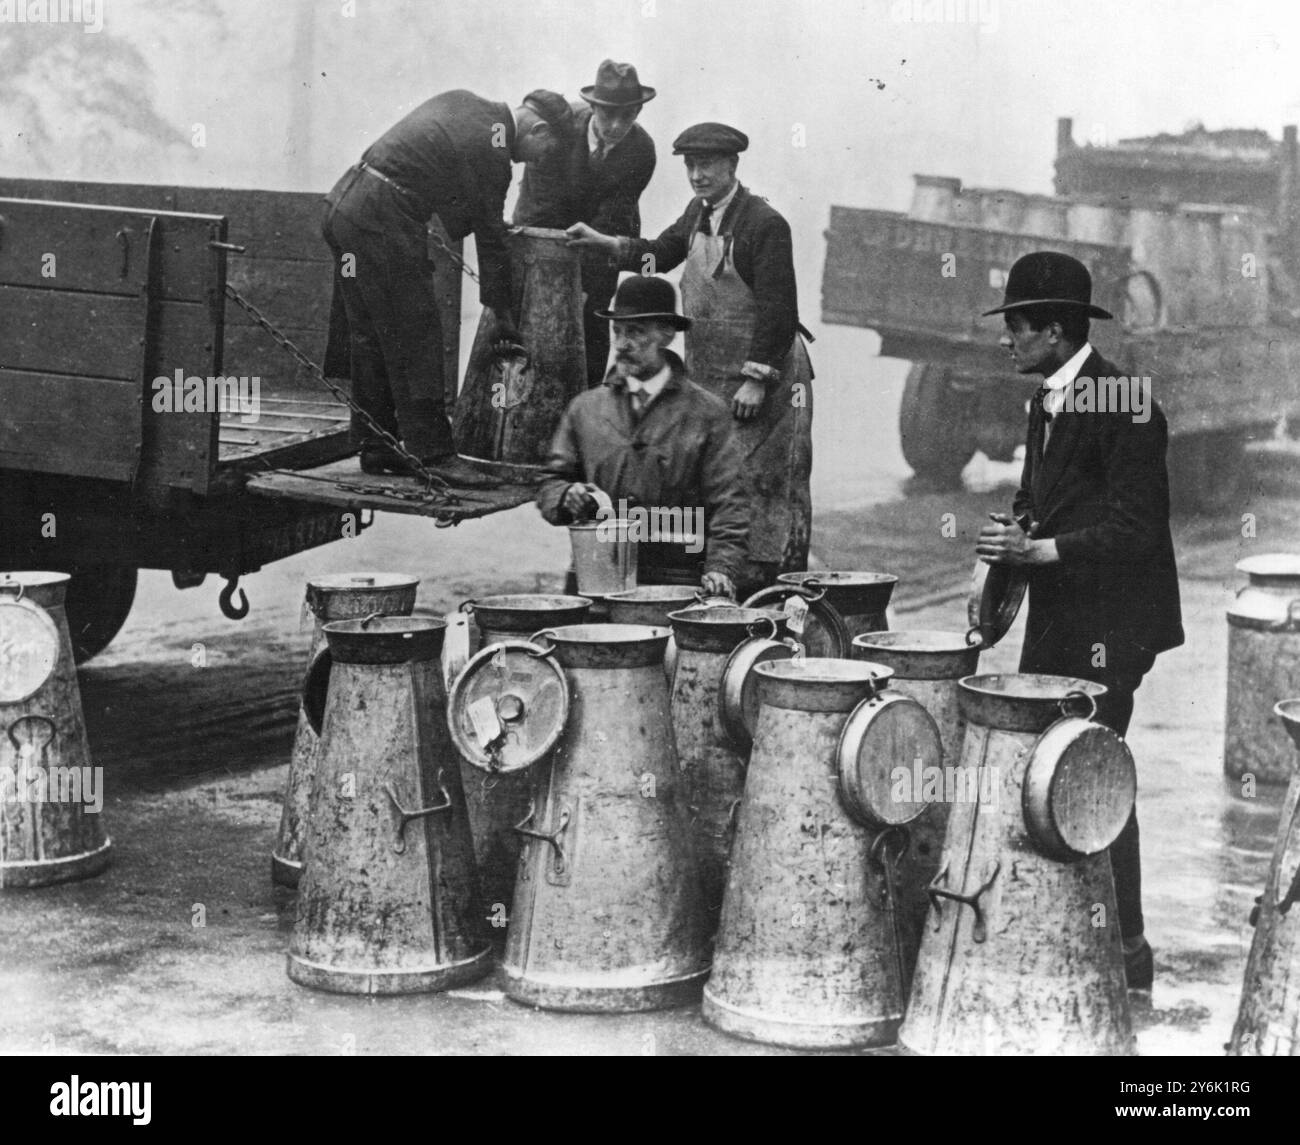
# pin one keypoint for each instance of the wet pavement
(192, 717)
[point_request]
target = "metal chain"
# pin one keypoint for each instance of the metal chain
(451, 254)
(435, 487)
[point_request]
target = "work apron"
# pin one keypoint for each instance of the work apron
(777, 443)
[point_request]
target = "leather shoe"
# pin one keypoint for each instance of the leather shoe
(379, 459)
(459, 473)
(1139, 967)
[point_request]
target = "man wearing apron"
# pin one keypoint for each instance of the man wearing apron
(744, 345)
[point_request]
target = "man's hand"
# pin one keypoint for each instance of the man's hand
(1005, 543)
(748, 400)
(581, 235)
(718, 584)
(578, 501)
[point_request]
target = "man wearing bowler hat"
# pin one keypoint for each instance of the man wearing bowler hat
(651, 437)
(451, 157)
(744, 345)
(598, 178)
(1089, 525)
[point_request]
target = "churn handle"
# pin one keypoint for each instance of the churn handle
(537, 650)
(1076, 694)
(7, 584)
(405, 815)
(13, 739)
(315, 688)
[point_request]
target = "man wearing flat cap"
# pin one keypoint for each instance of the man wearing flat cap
(744, 345)
(651, 437)
(1089, 525)
(597, 179)
(449, 157)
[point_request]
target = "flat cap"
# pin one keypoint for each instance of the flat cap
(710, 139)
(552, 107)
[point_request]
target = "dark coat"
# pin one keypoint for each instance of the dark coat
(452, 154)
(682, 454)
(569, 188)
(1102, 491)
(764, 257)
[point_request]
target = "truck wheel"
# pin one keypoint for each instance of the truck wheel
(937, 439)
(98, 603)
(1207, 471)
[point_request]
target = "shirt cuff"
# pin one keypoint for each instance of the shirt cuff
(758, 372)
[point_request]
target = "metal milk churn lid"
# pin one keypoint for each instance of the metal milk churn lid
(29, 643)
(861, 598)
(996, 594)
(508, 708)
(1271, 601)
(1268, 1018)
(521, 614)
(738, 698)
(811, 619)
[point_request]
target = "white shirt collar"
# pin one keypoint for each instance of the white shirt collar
(1068, 372)
(593, 140)
(720, 207)
(652, 385)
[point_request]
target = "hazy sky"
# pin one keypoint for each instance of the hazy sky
(843, 99)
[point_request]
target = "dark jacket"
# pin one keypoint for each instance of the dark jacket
(1102, 491)
(764, 258)
(682, 454)
(569, 188)
(452, 155)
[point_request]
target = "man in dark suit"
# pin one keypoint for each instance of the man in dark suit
(744, 344)
(451, 157)
(1090, 524)
(597, 179)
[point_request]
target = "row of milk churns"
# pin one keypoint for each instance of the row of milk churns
(807, 821)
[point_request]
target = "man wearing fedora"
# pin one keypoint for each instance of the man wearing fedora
(744, 345)
(597, 179)
(653, 438)
(449, 157)
(1089, 526)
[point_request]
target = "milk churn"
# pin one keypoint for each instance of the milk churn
(607, 910)
(344, 596)
(1263, 667)
(651, 604)
(811, 619)
(926, 665)
(1268, 1020)
(388, 902)
(1021, 953)
(807, 952)
(509, 407)
(861, 598)
(712, 764)
(498, 801)
(51, 830)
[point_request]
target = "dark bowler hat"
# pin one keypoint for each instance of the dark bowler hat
(617, 86)
(710, 139)
(1047, 277)
(553, 108)
(645, 296)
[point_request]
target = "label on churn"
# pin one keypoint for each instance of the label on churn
(483, 715)
(796, 612)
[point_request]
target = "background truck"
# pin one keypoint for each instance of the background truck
(106, 287)
(1192, 242)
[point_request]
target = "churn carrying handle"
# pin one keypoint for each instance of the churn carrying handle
(936, 892)
(753, 624)
(554, 837)
(406, 816)
(973, 637)
(7, 584)
(537, 650)
(879, 854)
(1076, 694)
(1291, 622)
(13, 739)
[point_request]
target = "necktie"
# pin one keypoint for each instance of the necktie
(639, 398)
(1038, 399)
(706, 217)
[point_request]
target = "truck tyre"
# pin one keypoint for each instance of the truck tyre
(98, 603)
(1207, 471)
(935, 429)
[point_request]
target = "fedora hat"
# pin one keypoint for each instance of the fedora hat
(1048, 278)
(617, 86)
(645, 296)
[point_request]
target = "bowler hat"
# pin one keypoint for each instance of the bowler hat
(553, 108)
(710, 139)
(1047, 277)
(617, 86)
(645, 296)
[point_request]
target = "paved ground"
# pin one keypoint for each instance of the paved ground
(196, 760)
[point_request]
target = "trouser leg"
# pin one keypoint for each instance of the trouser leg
(1115, 710)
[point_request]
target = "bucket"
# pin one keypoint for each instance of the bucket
(604, 556)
